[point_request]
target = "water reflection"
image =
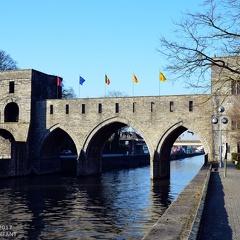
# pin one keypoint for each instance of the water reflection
(116, 205)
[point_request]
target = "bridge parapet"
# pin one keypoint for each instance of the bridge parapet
(137, 111)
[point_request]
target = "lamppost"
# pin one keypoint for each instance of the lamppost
(223, 120)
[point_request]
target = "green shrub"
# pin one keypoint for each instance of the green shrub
(238, 165)
(235, 156)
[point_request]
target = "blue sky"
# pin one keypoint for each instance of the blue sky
(91, 38)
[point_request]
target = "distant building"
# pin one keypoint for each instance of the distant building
(134, 141)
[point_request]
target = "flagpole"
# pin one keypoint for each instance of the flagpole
(79, 87)
(133, 83)
(159, 89)
(105, 84)
(57, 87)
(162, 78)
(159, 84)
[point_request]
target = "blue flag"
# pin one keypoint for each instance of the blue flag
(81, 80)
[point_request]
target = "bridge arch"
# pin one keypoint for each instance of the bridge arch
(54, 127)
(93, 144)
(113, 123)
(51, 144)
(161, 161)
(168, 138)
(6, 134)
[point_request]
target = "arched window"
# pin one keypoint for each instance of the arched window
(11, 112)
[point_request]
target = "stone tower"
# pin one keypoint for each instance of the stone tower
(19, 92)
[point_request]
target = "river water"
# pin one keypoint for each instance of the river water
(121, 204)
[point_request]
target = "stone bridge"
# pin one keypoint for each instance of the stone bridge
(36, 124)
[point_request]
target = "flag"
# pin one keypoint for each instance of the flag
(107, 80)
(162, 77)
(81, 80)
(59, 82)
(135, 78)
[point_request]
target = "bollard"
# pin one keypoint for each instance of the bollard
(205, 159)
(225, 167)
(225, 161)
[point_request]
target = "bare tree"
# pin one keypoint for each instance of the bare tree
(204, 40)
(6, 62)
(116, 94)
(68, 93)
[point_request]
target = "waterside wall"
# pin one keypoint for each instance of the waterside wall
(182, 218)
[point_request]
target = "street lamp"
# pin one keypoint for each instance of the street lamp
(223, 120)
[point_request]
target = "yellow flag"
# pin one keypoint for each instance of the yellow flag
(162, 77)
(135, 78)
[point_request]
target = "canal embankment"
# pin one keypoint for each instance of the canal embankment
(182, 218)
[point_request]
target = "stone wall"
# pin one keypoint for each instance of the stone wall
(182, 217)
(5, 146)
(224, 89)
(20, 90)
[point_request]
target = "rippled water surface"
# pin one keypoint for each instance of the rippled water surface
(116, 205)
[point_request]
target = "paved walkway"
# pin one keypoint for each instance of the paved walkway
(221, 219)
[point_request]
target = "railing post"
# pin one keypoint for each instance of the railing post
(225, 161)
(205, 159)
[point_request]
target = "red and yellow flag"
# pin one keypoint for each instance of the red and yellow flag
(135, 79)
(107, 80)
